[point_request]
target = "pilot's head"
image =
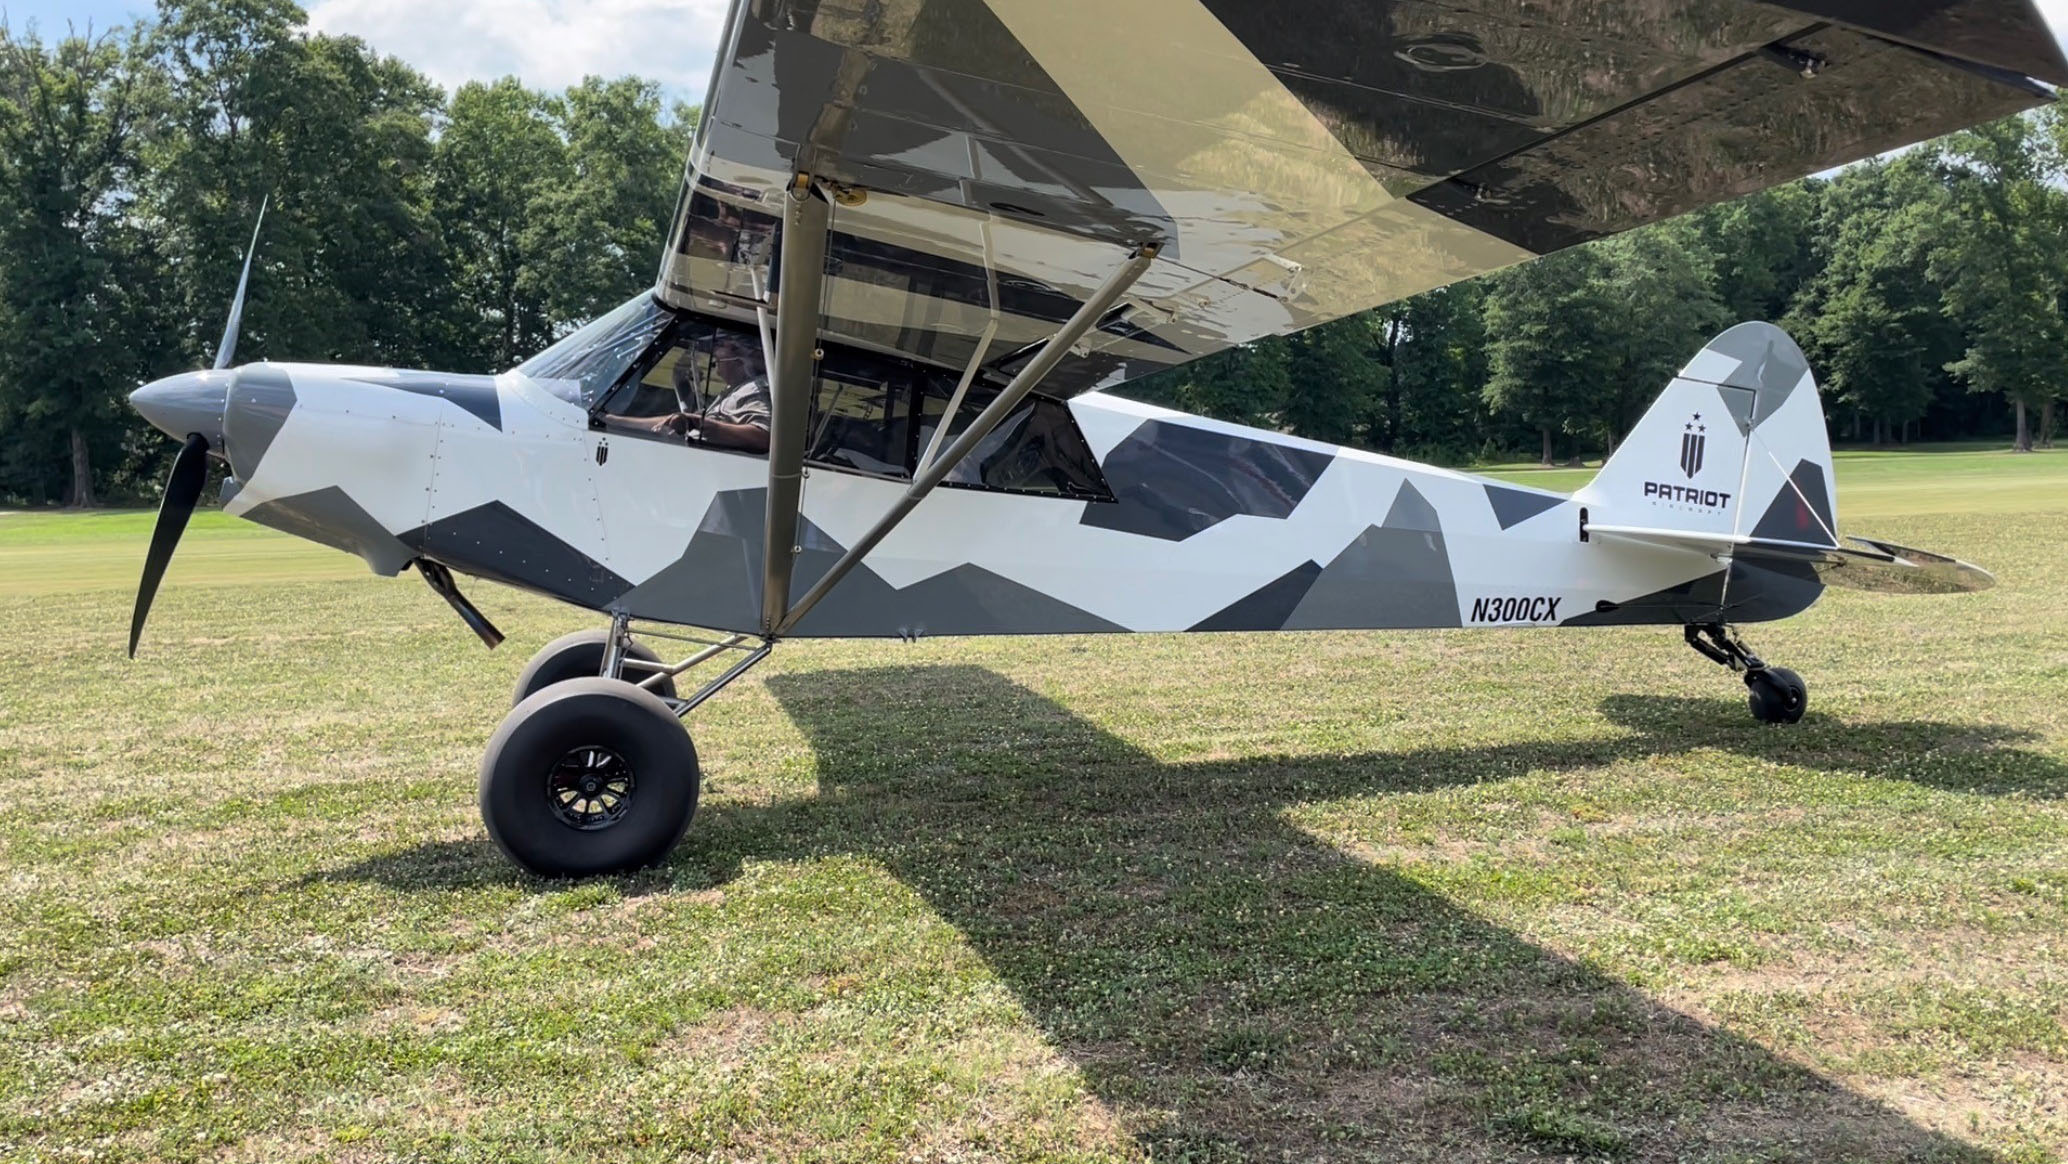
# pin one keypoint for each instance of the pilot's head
(735, 359)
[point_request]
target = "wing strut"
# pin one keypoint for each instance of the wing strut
(807, 217)
(938, 468)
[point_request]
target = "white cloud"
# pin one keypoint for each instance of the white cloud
(548, 43)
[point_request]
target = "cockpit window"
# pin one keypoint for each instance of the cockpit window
(701, 380)
(694, 368)
(582, 367)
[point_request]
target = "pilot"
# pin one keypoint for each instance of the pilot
(739, 418)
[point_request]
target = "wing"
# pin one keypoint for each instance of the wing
(1295, 161)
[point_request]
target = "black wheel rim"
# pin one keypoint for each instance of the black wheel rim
(590, 788)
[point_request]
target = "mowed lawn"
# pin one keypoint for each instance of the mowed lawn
(1449, 897)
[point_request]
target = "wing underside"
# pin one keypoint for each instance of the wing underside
(1294, 162)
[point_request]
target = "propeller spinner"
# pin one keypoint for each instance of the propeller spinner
(190, 406)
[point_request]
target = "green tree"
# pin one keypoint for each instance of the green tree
(597, 235)
(76, 323)
(1245, 384)
(1661, 296)
(499, 154)
(1549, 350)
(352, 265)
(1872, 320)
(2002, 257)
(1763, 247)
(1331, 376)
(1432, 351)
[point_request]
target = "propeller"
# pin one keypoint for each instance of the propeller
(182, 490)
(228, 347)
(176, 397)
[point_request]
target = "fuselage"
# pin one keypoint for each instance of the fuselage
(1209, 526)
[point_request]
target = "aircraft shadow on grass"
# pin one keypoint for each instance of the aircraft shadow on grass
(1198, 956)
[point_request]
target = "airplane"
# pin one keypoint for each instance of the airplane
(919, 243)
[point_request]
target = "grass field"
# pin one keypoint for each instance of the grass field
(1451, 897)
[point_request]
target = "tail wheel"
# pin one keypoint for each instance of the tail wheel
(1776, 695)
(579, 656)
(588, 776)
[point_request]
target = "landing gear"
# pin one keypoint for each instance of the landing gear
(581, 654)
(589, 776)
(591, 771)
(1775, 694)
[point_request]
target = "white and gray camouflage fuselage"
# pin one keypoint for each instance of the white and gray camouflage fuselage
(1214, 526)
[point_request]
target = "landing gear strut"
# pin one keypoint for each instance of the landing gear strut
(591, 772)
(1775, 694)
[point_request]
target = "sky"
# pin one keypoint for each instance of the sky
(548, 43)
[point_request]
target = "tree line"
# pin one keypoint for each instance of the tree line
(1929, 290)
(407, 226)
(465, 230)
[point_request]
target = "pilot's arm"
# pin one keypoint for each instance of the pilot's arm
(731, 434)
(740, 420)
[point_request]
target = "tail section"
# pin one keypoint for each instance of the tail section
(1734, 447)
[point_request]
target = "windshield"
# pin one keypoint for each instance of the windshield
(588, 362)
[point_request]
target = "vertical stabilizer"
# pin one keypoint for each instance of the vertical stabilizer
(1734, 446)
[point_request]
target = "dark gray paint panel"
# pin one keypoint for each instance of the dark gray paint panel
(330, 517)
(1411, 510)
(1801, 513)
(1512, 507)
(1394, 575)
(716, 583)
(1762, 591)
(968, 600)
(1700, 600)
(260, 398)
(1268, 606)
(1766, 590)
(475, 394)
(498, 543)
(1770, 366)
(1171, 480)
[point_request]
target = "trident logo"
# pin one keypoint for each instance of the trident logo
(1692, 444)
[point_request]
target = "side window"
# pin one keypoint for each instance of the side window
(1036, 449)
(702, 369)
(869, 413)
(861, 416)
(654, 392)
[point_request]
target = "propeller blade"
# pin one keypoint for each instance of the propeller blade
(182, 490)
(228, 348)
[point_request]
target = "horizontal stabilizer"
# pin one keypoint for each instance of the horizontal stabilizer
(1867, 564)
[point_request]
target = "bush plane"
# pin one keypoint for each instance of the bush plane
(920, 242)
